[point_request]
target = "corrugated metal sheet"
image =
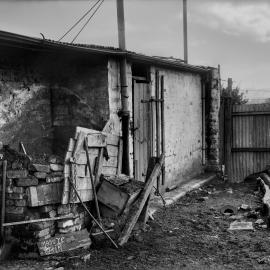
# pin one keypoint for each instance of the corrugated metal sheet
(250, 139)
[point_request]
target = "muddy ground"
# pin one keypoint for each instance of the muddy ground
(191, 234)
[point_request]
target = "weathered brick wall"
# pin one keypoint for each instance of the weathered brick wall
(183, 124)
(45, 96)
(25, 113)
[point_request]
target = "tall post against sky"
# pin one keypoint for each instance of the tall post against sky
(185, 31)
(125, 114)
(121, 24)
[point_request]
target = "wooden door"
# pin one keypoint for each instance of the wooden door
(141, 128)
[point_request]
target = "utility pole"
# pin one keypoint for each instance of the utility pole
(185, 31)
(124, 86)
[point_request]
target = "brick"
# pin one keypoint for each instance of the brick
(56, 167)
(42, 233)
(41, 225)
(52, 214)
(17, 174)
(27, 182)
(70, 229)
(15, 210)
(54, 179)
(20, 203)
(65, 223)
(19, 190)
(10, 203)
(34, 167)
(64, 209)
(55, 159)
(40, 175)
(17, 165)
(9, 189)
(16, 196)
(46, 208)
(55, 174)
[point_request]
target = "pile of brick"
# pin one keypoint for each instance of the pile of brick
(34, 191)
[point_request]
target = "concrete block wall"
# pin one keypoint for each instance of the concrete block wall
(183, 124)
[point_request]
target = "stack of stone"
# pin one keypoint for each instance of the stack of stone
(79, 221)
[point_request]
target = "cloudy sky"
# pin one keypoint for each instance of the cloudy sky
(232, 33)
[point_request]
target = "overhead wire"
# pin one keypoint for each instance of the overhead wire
(78, 21)
(88, 20)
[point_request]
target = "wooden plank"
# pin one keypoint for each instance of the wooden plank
(109, 170)
(99, 165)
(137, 207)
(228, 137)
(64, 242)
(44, 194)
(78, 145)
(112, 150)
(81, 159)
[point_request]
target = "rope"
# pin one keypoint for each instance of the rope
(88, 20)
(78, 21)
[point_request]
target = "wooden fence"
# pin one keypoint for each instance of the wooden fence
(246, 139)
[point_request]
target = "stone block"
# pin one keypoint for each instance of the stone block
(27, 182)
(40, 175)
(54, 179)
(20, 203)
(39, 168)
(71, 229)
(10, 203)
(65, 223)
(42, 233)
(19, 190)
(46, 208)
(56, 167)
(55, 159)
(41, 225)
(16, 210)
(17, 174)
(16, 196)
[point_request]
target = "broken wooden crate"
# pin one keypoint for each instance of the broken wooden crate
(100, 145)
(117, 193)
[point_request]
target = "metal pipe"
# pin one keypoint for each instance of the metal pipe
(124, 86)
(185, 31)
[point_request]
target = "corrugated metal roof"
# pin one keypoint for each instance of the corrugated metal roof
(32, 43)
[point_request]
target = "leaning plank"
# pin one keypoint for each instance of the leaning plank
(64, 242)
(44, 194)
(136, 209)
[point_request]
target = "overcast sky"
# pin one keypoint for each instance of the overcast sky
(232, 33)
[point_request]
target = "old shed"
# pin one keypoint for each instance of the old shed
(48, 88)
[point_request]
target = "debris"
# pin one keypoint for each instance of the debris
(259, 221)
(241, 225)
(264, 260)
(173, 187)
(245, 207)
(130, 258)
(229, 190)
(86, 257)
(264, 226)
(228, 210)
(202, 199)
(236, 217)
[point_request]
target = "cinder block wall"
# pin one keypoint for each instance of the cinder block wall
(45, 96)
(183, 124)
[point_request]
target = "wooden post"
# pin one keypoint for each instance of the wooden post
(230, 86)
(203, 124)
(228, 137)
(158, 122)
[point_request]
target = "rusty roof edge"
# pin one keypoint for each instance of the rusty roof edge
(161, 61)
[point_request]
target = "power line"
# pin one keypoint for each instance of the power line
(78, 21)
(88, 20)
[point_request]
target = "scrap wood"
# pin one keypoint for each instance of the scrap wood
(92, 180)
(89, 213)
(137, 208)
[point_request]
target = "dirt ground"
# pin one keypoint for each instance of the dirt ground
(191, 234)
